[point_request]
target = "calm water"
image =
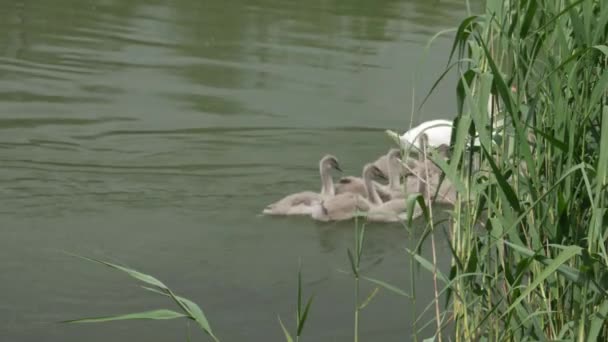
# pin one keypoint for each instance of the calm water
(152, 135)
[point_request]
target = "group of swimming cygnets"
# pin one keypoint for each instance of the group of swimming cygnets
(353, 196)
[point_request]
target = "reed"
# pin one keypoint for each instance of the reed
(301, 312)
(186, 308)
(528, 232)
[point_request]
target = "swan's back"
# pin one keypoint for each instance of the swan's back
(447, 191)
(340, 207)
(300, 203)
(439, 132)
(351, 184)
(356, 185)
(410, 186)
(392, 211)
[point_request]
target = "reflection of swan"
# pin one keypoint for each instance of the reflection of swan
(302, 203)
(345, 206)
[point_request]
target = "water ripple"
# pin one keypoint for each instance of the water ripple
(6, 123)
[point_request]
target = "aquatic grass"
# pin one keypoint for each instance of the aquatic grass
(188, 308)
(355, 262)
(528, 232)
(301, 312)
(354, 259)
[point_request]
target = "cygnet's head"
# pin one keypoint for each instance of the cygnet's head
(393, 153)
(371, 171)
(444, 151)
(329, 162)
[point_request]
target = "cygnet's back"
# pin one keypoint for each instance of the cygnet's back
(303, 203)
(346, 205)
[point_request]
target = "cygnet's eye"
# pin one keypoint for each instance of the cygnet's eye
(336, 165)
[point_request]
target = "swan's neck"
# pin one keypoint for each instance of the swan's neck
(372, 194)
(393, 174)
(422, 179)
(327, 183)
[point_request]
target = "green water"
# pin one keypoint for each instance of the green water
(152, 134)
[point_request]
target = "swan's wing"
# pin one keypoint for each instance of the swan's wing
(447, 193)
(387, 211)
(362, 204)
(396, 206)
(346, 203)
(286, 204)
(417, 213)
(304, 198)
(412, 184)
(392, 211)
(347, 180)
(383, 191)
(350, 185)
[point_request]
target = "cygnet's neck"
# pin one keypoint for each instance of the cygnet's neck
(393, 173)
(327, 183)
(372, 194)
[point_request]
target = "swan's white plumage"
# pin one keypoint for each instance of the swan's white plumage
(439, 132)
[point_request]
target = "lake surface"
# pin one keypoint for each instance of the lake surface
(152, 134)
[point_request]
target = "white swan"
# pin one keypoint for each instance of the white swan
(345, 206)
(302, 203)
(439, 132)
